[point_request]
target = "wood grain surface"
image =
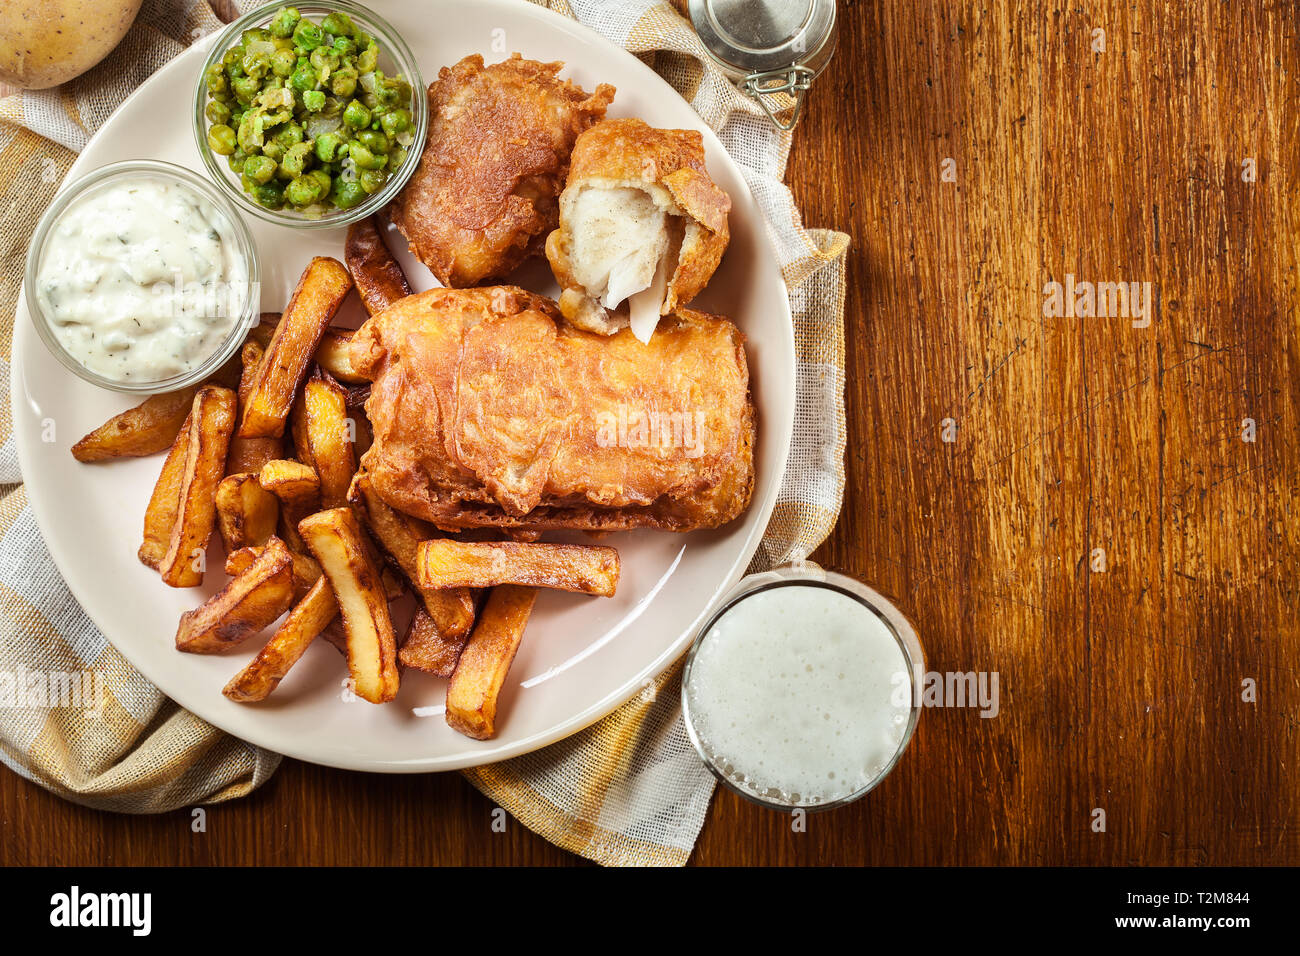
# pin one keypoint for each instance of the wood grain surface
(1099, 532)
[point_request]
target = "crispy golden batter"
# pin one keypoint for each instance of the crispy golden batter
(659, 192)
(484, 195)
(490, 411)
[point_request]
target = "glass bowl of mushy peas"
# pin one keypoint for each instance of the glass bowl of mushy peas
(312, 115)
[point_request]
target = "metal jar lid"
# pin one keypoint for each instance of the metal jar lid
(768, 46)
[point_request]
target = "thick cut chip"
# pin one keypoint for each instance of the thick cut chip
(451, 609)
(246, 512)
(289, 355)
(160, 514)
(428, 649)
(294, 483)
(337, 541)
(306, 572)
(589, 569)
(212, 421)
(150, 427)
(329, 434)
(378, 277)
(244, 607)
(481, 670)
(250, 454)
(298, 488)
(264, 672)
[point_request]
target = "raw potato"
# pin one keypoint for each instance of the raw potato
(244, 607)
(47, 42)
(481, 671)
(338, 543)
(589, 569)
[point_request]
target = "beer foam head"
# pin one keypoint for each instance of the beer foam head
(800, 695)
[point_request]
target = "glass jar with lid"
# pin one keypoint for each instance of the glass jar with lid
(769, 48)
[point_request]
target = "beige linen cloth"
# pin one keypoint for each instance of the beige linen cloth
(627, 790)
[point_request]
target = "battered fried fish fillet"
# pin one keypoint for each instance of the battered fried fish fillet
(489, 411)
(641, 222)
(484, 195)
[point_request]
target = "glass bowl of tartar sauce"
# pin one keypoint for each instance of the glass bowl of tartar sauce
(801, 690)
(142, 277)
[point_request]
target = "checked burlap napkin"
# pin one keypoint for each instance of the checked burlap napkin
(627, 790)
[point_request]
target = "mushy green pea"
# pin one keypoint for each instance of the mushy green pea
(304, 115)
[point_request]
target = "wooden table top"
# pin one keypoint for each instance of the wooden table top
(1112, 527)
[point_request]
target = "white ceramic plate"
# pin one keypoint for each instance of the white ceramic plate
(582, 656)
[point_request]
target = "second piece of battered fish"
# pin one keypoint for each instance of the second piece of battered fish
(641, 222)
(485, 194)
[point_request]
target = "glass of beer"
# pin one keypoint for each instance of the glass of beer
(802, 689)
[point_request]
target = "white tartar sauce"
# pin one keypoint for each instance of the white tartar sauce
(142, 279)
